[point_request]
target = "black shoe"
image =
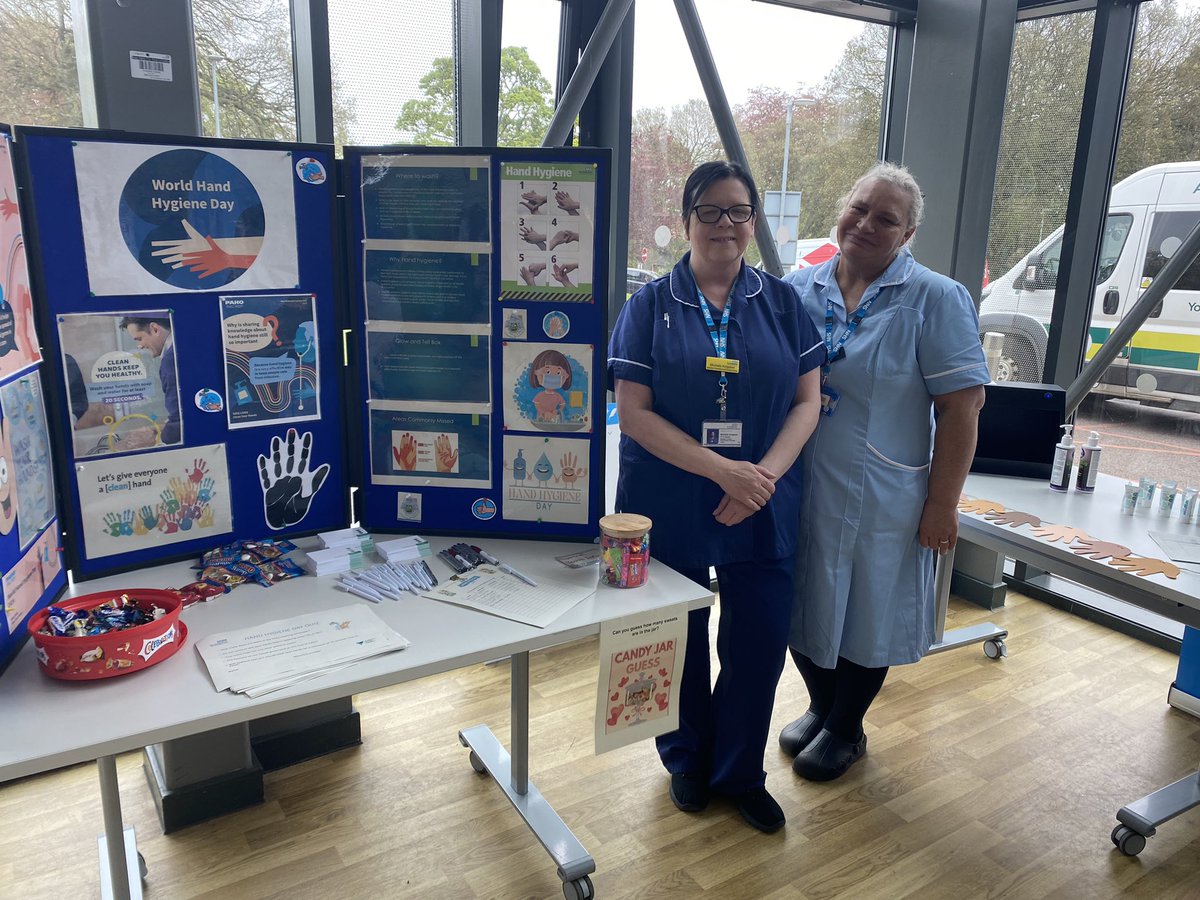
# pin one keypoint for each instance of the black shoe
(689, 793)
(828, 756)
(760, 810)
(799, 734)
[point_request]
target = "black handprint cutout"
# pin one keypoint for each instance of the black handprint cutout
(288, 485)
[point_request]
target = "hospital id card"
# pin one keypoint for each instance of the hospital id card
(829, 400)
(721, 433)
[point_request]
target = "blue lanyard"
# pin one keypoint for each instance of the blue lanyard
(831, 351)
(718, 335)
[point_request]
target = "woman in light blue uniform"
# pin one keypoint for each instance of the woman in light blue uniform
(716, 371)
(881, 483)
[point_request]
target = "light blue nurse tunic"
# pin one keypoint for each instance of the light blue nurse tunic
(864, 584)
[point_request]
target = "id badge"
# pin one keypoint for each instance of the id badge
(829, 400)
(720, 433)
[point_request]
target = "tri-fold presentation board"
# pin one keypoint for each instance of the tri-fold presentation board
(235, 334)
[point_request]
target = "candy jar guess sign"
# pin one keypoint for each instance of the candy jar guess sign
(624, 550)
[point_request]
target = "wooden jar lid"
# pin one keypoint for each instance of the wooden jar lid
(625, 525)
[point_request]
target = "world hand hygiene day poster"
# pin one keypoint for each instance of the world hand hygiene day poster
(189, 219)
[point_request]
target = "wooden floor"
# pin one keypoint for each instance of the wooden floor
(982, 779)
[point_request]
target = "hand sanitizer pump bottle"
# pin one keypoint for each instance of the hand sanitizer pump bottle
(1089, 464)
(1064, 459)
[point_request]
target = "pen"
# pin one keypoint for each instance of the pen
(505, 567)
(359, 592)
(429, 573)
(466, 565)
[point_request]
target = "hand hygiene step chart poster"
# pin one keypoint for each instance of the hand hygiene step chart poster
(160, 220)
(474, 268)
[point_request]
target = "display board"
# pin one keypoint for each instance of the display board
(30, 556)
(191, 321)
(479, 278)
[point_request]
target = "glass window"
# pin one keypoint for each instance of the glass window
(1146, 405)
(823, 73)
(244, 68)
(39, 84)
(528, 71)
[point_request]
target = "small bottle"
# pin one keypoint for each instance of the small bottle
(1089, 464)
(1187, 508)
(1166, 500)
(1064, 459)
(1146, 486)
(1129, 500)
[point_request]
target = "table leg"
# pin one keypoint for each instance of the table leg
(120, 863)
(1140, 819)
(991, 636)
(511, 773)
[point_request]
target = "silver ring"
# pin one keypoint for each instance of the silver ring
(944, 542)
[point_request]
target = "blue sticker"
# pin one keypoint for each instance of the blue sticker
(556, 324)
(483, 508)
(310, 171)
(208, 400)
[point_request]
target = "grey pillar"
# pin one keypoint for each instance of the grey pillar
(137, 65)
(312, 71)
(477, 26)
(961, 53)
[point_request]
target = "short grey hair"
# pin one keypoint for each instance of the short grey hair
(900, 178)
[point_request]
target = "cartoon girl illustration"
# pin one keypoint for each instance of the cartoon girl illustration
(551, 371)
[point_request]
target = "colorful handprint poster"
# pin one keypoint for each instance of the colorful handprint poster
(423, 448)
(547, 230)
(641, 661)
(431, 367)
(132, 503)
(159, 219)
(271, 367)
(18, 340)
(427, 286)
(427, 199)
(25, 582)
(122, 381)
(28, 449)
(545, 479)
(547, 387)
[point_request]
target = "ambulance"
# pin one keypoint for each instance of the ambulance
(1149, 215)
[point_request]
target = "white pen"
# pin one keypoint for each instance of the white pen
(369, 585)
(404, 579)
(418, 576)
(505, 567)
(352, 589)
(382, 586)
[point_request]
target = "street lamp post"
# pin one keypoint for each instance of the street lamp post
(787, 134)
(216, 94)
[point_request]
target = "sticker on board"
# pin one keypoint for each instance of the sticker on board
(484, 509)
(310, 170)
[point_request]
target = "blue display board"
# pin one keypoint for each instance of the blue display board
(478, 280)
(31, 564)
(191, 322)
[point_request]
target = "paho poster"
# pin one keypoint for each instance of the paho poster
(271, 373)
(136, 502)
(160, 219)
(18, 341)
(641, 666)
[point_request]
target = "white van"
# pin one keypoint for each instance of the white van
(1149, 215)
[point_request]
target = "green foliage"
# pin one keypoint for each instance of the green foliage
(526, 104)
(38, 81)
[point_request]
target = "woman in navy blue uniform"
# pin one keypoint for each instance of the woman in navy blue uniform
(716, 372)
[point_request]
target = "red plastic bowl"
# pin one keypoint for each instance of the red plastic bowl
(116, 652)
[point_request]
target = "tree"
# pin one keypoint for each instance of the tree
(38, 81)
(526, 104)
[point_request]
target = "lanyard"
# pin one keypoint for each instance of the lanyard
(831, 351)
(720, 340)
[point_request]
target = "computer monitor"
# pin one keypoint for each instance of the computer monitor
(1018, 428)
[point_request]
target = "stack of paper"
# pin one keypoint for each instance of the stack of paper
(352, 539)
(255, 661)
(333, 561)
(404, 548)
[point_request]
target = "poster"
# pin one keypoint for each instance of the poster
(431, 367)
(24, 584)
(421, 448)
(271, 368)
(547, 222)
(290, 478)
(122, 381)
(131, 503)
(18, 340)
(159, 219)
(429, 200)
(641, 666)
(427, 286)
(545, 479)
(28, 446)
(547, 387)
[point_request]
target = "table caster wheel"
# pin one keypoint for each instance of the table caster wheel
(142, 870)
(995, 648)
(477, 764)
(1128, 841)
(579, 889)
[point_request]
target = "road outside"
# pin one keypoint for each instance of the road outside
(1142, 440)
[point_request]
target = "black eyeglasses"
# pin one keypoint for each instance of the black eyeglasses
(710, 214)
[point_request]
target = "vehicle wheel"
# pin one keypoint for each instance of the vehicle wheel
(1128, 841)
(477, 764)
(1006, 369)
(995, 648)
(579, 889)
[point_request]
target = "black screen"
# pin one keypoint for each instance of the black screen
(1018, 429)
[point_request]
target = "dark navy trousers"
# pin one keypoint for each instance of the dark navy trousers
(723, 729)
